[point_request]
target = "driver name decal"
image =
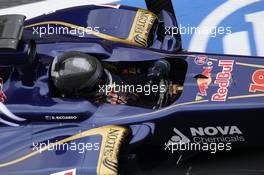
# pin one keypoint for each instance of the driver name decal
(223, 80)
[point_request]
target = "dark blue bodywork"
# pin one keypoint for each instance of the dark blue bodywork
(30, 97)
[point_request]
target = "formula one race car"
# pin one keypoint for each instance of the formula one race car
(211, 104)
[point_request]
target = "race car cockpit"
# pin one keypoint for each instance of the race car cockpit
(79, 75)
(42, 80)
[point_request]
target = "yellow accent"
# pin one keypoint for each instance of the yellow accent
(141, 27)
(98, 34)
(104, 131)
(113, 85)
(250, 65)
(198, 98)
(190, 103)
(110, 153)
(246, 96)
(133, 32)
(101, 131)
(180, 88)
(206, 81)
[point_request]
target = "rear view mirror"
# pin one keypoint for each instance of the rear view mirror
(13, 51)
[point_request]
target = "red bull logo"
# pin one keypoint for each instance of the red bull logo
(223, 80)
(204, 82)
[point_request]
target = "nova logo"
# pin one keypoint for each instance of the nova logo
(178, 137)
(212, 131)
(210, 134)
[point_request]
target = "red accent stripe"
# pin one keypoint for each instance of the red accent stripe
(69, 173)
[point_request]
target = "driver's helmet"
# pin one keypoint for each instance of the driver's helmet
(77, 74)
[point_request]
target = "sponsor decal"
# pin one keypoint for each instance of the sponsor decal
(178, 137)
(110, 150)
(112, 146)
(212, 134)
(223, 80)
(115, 6)
(142, 25)
(211, 131)
(110, 164)
(204, 82)
(201, 59)
(258, 81)
(68, 172)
